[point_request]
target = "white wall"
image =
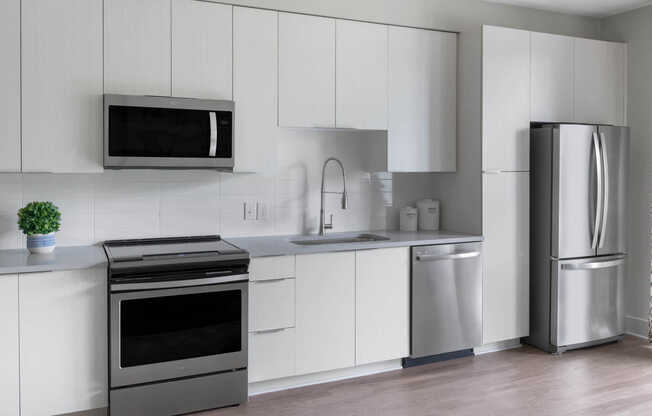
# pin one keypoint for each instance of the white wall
(152, 203)
(635, 27)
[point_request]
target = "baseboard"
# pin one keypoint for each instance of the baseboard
(498, 346)
(270, 386)
(637, 327)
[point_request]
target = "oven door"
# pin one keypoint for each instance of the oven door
(170, 333)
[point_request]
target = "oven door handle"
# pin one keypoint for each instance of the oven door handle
(123, 287)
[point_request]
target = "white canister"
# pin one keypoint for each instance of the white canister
(408, 218)
(428, 214)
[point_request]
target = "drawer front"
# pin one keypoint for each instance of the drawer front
(271, 354)
(268, 268)
(272, 304)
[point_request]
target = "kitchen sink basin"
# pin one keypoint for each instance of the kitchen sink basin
(360, 238)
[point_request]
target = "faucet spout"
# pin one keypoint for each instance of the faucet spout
(322, 220)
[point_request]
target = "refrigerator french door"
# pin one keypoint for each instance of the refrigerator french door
(578, 235)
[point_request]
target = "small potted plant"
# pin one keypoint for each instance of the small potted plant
(39, 221)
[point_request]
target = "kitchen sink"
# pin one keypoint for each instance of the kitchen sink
(360, 238)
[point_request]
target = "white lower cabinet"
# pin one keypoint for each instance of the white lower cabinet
(9, 394)
(272, 304)
(325, 312)
(271, 354)
(506, 230)
(382, 305)
(63, 341)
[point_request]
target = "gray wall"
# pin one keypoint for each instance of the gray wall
(635, 27)
(461, 193)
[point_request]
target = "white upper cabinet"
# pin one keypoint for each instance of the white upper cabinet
(505, 99)
(506, 230)
(306, 48)
(382, 304)
(63, 341)
(62, 85)
(361, 75)
(325, 312)
(600, 82)
(422, 100)
(551, 78)
(202, 50)
(10, 86)
(9, 355)
(137, 47)
(255, 89)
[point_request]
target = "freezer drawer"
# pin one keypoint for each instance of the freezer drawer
(587, 300)
(446, 298)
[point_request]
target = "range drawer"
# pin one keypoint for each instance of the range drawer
(270, 268)
(271, 304)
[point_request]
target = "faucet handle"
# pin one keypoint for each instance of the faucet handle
(329, 226)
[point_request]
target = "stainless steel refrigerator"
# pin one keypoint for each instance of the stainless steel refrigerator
(578, 210)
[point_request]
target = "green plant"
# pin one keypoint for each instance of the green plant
(39, 218)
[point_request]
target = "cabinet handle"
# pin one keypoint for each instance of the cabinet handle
(456, 256)
(271, 280)
(269, 331)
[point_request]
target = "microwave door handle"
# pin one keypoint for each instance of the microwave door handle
(605, 175)
(212, 150)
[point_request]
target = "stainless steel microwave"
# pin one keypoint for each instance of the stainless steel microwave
(167, 132)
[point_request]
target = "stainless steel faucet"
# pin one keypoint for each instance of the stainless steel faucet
(322, 220)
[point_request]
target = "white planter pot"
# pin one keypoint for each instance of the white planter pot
(41, 243)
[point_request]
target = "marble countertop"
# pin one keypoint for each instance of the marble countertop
(85, 257)
(282, 244)
(63, 258)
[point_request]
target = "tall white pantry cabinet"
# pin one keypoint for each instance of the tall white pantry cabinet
(531, 77)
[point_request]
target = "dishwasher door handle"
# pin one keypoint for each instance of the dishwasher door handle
(454, 256)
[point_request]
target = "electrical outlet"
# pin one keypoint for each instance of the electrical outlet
(250, 211)
(261, 211)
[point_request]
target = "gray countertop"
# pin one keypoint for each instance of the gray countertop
(282, 244)
(63, 258)
(85, 257)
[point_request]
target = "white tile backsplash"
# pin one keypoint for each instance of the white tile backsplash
(161, 203)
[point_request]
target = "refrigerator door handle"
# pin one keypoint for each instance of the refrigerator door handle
(605, 174)
(598, 203)
(594, 264)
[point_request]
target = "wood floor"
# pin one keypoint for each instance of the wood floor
(614, 379)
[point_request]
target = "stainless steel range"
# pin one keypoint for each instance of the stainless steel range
(177, 325)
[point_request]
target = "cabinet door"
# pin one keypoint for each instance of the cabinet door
(62, 85)
(422, 134)
(382, 305)
(255, 88)
(600, 82)
(306, 48)
(9, 395)
(506, 222)
(505, 99)
(202, 40)
(361, 75)
(137, 47)
(63, 341)
(551, 78)
(10, 86)
(325, 312)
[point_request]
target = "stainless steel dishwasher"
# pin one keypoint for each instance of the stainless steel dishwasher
(446, 299)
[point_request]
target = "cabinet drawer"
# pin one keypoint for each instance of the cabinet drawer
(267, 268)
(271, 354)
(272, 304)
